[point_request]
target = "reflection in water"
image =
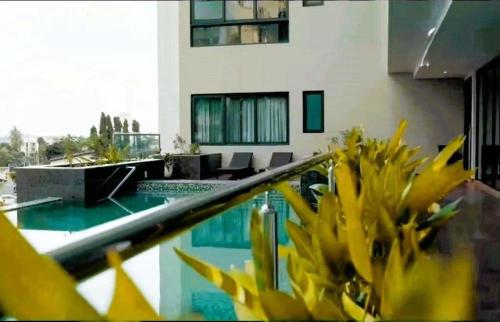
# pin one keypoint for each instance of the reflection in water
(173, 288)
(232, 230)
(72, 216)
(223, 241)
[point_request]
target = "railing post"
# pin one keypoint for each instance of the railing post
(270, 219)
(331, 178)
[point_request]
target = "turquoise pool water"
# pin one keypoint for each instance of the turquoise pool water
(174, 289)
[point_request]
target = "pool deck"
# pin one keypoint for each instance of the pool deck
(188, 185)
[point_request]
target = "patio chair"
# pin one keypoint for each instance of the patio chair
(239, 167)
(278, 159)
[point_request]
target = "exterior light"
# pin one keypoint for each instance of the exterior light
(431, 31)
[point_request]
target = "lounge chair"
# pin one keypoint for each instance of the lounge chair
(239, 167)
(279, 159)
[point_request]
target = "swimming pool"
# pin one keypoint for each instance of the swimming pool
(174, 289)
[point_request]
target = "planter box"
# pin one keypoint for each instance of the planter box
(87, 184)
(196, 166)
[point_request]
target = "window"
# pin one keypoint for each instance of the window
(310, 3)
(238, 22)
(314, 114)
(260, 118)
(208, 10)
(209, 120)
(267, 9)
(236, 10)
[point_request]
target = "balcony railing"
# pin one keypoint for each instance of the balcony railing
(87, 256)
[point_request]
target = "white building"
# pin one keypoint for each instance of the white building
(30, 149)
(265, 76)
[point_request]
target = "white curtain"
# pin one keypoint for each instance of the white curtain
(208, 121)
(248, 120)
(272, 119)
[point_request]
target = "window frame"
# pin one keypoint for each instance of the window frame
(305, 115)
(255, 95)
(238, 22)
(306, 4)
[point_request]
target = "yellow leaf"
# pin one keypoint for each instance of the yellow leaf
(335, 253)
(280, 306)
(432, 185)
(34, 287)
(263, 263)
(322, 267)
(354, 310)
(396, 138)
(299, 205)
(297, 268)
(435, 289)
(327, 209)
(283, 251)
(244, 313)
(442, 158)
(300, 239)
(128, 302)
(356, 237)
(244, 279)
(393, 280)
(327, 310)
(462, 281)
(225, 282)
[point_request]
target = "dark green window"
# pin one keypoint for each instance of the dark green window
(238, 22)
(260, 118)
(314, 112)
(311, 3)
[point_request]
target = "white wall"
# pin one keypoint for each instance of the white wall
(168, 73)
(340, 48)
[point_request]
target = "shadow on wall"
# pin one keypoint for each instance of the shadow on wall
(434, 108)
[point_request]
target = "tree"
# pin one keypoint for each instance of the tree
(125, 126)
(16, 139)
(70, 146)
(42, 150)
(117, 123)
(102, 125)
(55, 149)
(96, 144)
(6, 157)
(6, 146)
(109, 130)
(126, 139)
(135, 126)
(93, 131)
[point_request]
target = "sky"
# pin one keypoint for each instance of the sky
(62, 63)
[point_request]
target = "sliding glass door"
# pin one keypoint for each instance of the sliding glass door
(488, 121)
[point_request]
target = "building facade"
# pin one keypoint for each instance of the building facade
(271, 76)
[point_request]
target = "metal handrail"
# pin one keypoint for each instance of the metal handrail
(132, 170)
(86, 257)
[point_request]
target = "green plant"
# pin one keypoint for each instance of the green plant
(12, 175)
(180, 145)
(115, 155)
(194, 148)
(169, 160)
(367, 253)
